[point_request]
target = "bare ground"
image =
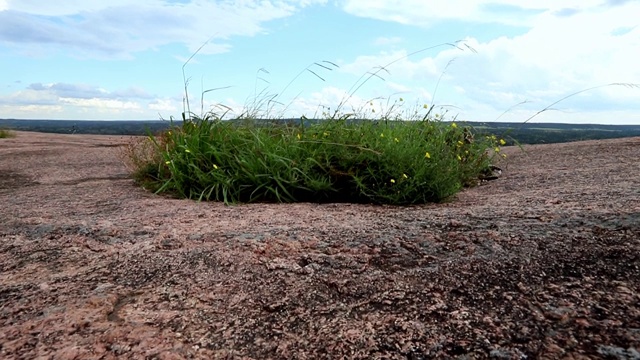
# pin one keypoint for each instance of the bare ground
(542, 263)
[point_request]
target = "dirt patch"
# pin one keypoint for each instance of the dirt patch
(540, 263)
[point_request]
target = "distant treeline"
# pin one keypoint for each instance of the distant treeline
(547, 133)
(528, 133)
(121, 127)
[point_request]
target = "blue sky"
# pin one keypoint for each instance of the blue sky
(122, 59)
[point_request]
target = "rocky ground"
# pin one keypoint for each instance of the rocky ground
(542, 263)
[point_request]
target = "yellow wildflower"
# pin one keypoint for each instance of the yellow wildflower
(453, 125)
(396, 140)
(405, 176)
(425, 106)
(215, 166)
(459, 158)
(427, 155)
(497, 149)
(167, 162)
(381, 135)
(299, 136)
(392, 181)
(187, 150)
(502, 142)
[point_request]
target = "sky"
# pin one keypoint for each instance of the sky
(472, 60)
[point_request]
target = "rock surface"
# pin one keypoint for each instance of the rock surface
(543, 262)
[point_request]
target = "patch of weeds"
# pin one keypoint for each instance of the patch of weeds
(333, 160)
(394, 156)
(5, 133)
(141, 156)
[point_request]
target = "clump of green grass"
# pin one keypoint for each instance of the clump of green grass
(334, 160)
(383, 158)
(4, 134)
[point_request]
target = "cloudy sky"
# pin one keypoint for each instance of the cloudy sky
(481, 60)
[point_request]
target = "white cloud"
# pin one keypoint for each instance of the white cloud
(31, 111)
(82, 100)
(398, 88)
(119, 27)
(81, 91)
(67, 7)
(398, 65)
(426, 13)
(101, 104)
(29, 96)
(327, 100)
(557, 56)
(386, 41)
(314, 104)
(164, 105)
